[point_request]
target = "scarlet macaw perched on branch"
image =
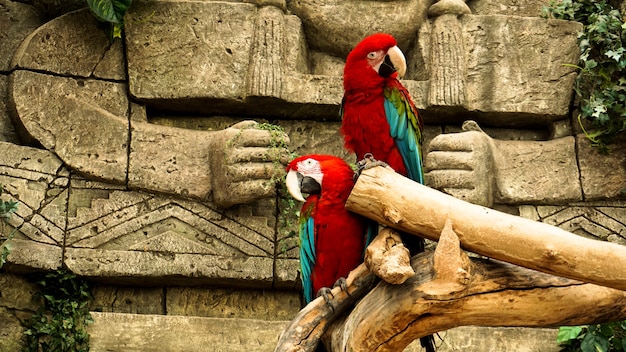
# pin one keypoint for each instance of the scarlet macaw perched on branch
(379, 117)
(332, 239)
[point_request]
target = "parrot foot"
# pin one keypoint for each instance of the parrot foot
(368, 162)
(327, 294)
(343, 284)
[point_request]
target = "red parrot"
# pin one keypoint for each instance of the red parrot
(377, 113)
(379, 117)
(332, 239)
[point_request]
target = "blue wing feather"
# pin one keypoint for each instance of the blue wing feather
(307, 253)
(405, 130)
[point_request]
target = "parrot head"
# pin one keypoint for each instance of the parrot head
(374, 59)
(319, 174)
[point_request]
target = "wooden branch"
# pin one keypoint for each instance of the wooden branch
(388, 258)
(305, 330)
(450, 290)
(396, 201)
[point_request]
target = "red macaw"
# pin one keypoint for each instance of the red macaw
(379, 117)
(332, 239)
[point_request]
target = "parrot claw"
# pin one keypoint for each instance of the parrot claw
(327, 294)
(368, 162)
(343, 284)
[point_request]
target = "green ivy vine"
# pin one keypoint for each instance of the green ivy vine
(59, 325)
(7, 207)
(601, 82)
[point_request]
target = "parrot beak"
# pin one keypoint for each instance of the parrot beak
(297, 183)
(293, 184)
(394, 62)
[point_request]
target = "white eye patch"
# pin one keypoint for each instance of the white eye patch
(311, 168)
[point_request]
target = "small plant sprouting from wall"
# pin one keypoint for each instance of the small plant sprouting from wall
(601, 82)
(111, 12)
(59, 325)
(7, 208)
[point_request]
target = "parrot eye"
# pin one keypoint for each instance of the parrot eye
(371, 55)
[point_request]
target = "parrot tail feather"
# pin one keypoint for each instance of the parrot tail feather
(428, 342)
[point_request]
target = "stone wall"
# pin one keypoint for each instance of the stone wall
(118, 153)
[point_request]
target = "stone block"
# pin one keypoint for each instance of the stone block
(84, 121)
(124, 299)
(537, 172)
(524, 8)
(72, 44)
(7, 131)
(232, 303)
(17, 21)
(28, 256)
(113, 332)
(186, 50)
(602, 176)
(487, 339)
(335, 26)
(16, 293)
(161, 268)
(596, 220)
(11, 331)
(516, 68)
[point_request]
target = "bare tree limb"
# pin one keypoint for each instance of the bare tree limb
(450, 290)
(305, 330)
(393, 200)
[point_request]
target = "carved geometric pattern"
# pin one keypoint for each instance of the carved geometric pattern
(134, 221)
(36, 180)
(599, 220)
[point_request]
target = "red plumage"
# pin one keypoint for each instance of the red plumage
(364, 122)
(339, 235)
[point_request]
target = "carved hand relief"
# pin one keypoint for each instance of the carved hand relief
(82, 112)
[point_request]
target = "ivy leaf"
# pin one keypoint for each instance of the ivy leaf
(109, 10)
(615, 55)
(594, 343)
(568, 333)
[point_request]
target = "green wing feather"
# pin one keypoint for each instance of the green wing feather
(405, 127)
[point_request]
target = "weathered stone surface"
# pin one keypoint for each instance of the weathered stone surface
(154, 237)
(231, 303)
(113, 332)
(189, 50)
(84, 121)
(123, 299)
(516, 64)
(525, 8)
(11, 331)
(602, 176)
(481, 339)
(69, 45)
(16, 293)
(17, 21)
(537, 172)
(7, 131)
(597, 220)
(36, 180)
(137, 221)
(54, 8)
(161, 268)
(336, 26)
(28, 256)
